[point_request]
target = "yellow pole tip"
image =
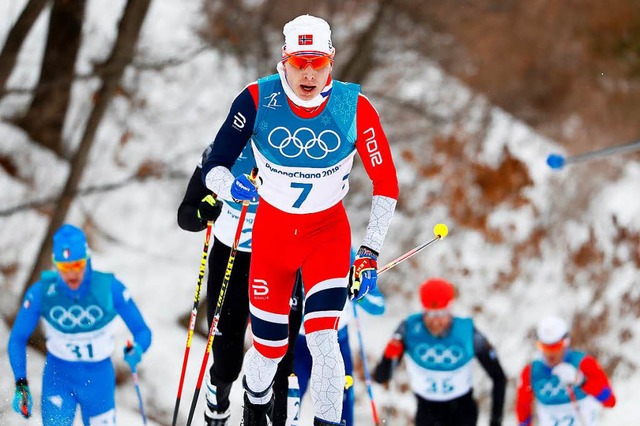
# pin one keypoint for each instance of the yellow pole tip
(348, 382)
(440, 230)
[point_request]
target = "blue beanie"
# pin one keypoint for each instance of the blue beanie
(69, 244)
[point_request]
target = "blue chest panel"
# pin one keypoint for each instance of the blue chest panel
(245, 162)
(445, 353)
(547, 387)
(318, 142)
(82, 312)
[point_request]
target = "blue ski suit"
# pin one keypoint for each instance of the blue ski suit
(79, 326)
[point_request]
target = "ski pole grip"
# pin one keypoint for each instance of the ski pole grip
(253, 175)
(25, 404)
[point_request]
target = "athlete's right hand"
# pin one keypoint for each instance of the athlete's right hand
(22, 401)
(244, 188)
(209, 209)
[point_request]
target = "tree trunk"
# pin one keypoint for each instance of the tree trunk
(359, 64)
(45, 118)
(17, 35)
(121, 56)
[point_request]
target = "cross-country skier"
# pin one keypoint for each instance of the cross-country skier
(197, 208)
(568, 386)
(440, 348)
(304, 129)
(79, 306)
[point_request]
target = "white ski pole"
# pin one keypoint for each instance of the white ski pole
(439, 231)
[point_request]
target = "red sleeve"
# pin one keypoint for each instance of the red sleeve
(596, 381)
(394, 349)
(253, 89)
(373, 148)
(524, 398)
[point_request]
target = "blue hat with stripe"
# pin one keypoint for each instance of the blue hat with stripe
(69, 244)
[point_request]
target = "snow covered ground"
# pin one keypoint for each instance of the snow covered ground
(134, 233)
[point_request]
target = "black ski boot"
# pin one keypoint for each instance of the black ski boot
(320, 422)
(256, 414)
(216, 418)
(217, 412)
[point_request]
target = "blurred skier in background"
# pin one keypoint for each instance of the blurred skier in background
(198, 207)
(304, 129)
(568, 386)
(440, 349)
(79, 306)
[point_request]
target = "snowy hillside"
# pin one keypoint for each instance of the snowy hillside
(523, 241)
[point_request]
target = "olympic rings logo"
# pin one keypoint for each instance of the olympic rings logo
(304, 140)
(551, 389)
(439, 354)
(76, 316)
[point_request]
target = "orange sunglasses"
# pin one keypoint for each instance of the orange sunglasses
(552, 347)
(300, 62)
(75, 266)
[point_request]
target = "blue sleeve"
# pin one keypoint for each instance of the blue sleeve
(233, 135)
(26, 321)
(130, 314)
(373, 302)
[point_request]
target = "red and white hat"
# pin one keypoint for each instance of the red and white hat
(307, 34)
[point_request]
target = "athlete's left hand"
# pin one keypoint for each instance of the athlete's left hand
(132, 355)
(568, 375)
(363, 274)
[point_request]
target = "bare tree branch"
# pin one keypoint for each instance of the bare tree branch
(96, 189)
(157, 65)
(16, 37)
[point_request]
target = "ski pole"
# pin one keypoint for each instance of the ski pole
(192, 319)
(439, 231)
(367, 376)
(221, 296)
(576, 405)
(557, 161)
(136, 382)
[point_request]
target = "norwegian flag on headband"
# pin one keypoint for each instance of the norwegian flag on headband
(305, 39)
